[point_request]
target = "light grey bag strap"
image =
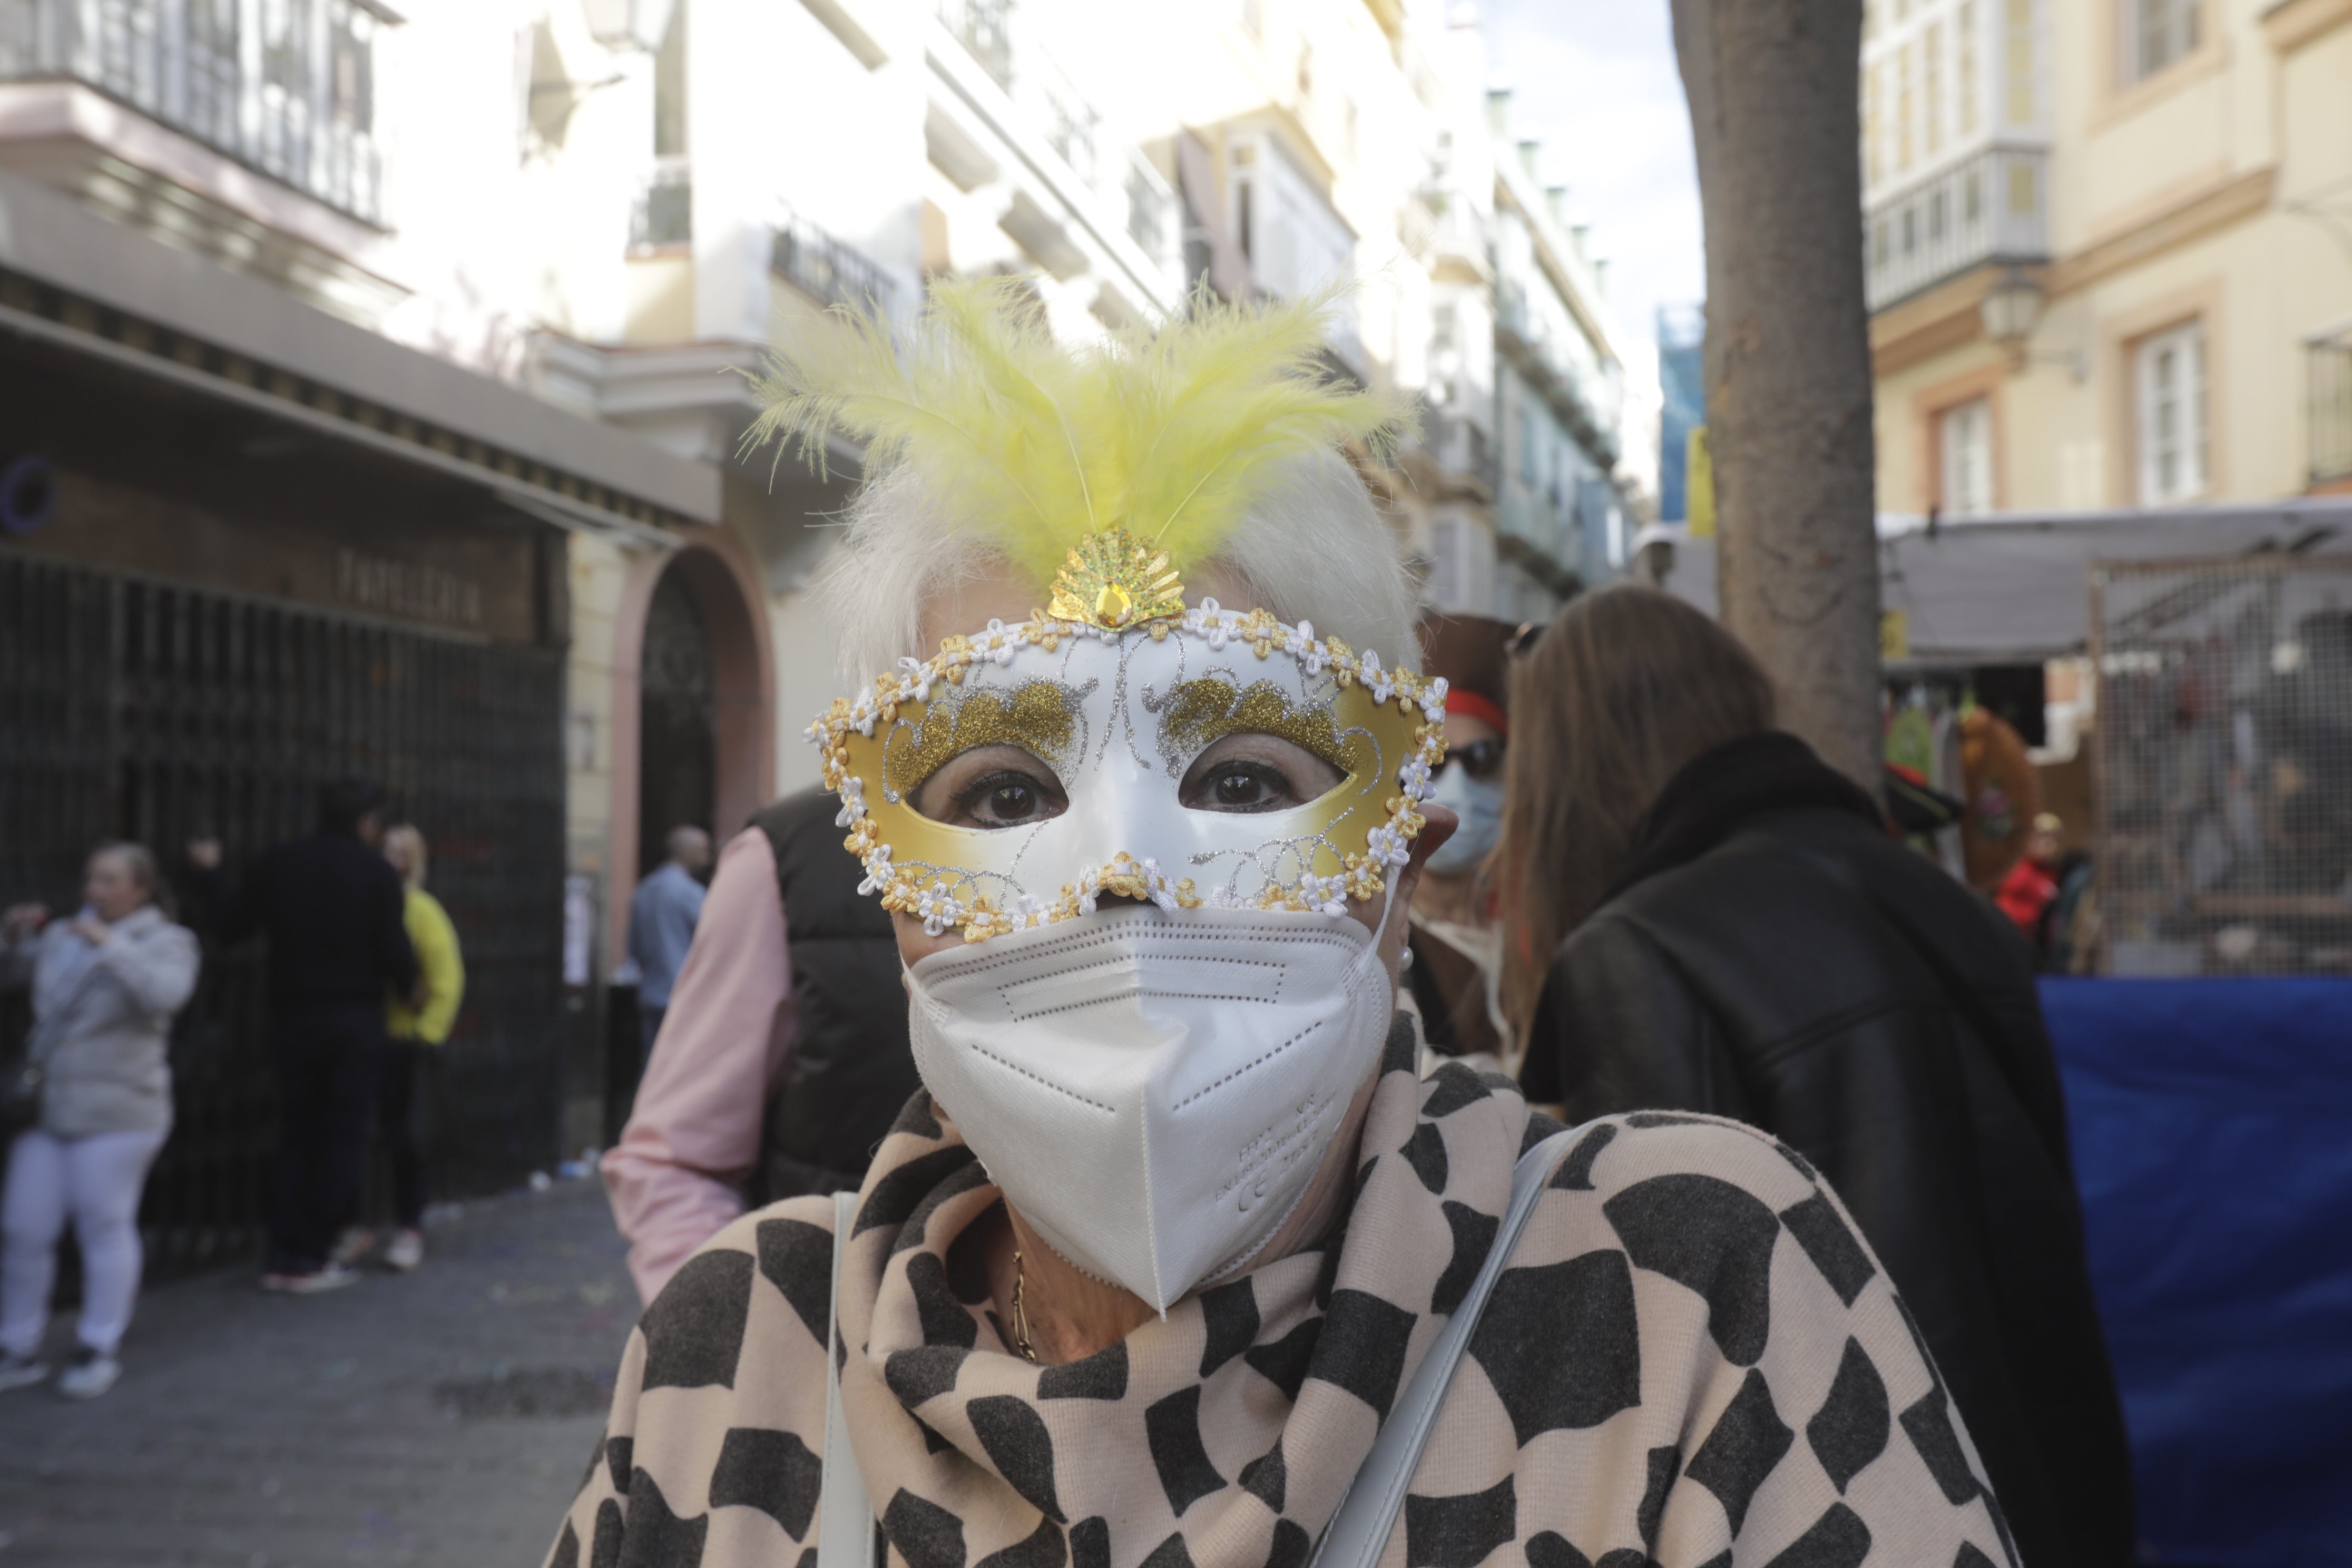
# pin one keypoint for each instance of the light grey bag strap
(1367, 1512)
(845, 1531)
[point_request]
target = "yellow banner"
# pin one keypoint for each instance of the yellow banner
(1698, 484)
(1894, 635)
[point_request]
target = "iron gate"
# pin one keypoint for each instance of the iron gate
(139, 711)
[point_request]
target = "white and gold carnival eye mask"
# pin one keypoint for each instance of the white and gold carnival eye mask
(1118, 689)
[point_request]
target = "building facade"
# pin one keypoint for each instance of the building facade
(376, 389)
(268, 522)
(2110, 251)
(1577, 400)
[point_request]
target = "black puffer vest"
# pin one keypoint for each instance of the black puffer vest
(850, 1070)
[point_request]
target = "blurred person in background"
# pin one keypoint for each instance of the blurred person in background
(2004, 796)
(663, 913)
(784, 1057)
(105, 987)
(1456, 975)
(414, 1024)
(1708, 918)
(2030, 887)
(335, 916)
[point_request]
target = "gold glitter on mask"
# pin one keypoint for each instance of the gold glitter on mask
(1038, 718)
(1201, 712)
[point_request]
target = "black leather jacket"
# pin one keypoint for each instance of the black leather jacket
(1774, 957)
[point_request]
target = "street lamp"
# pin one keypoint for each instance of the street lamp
(2010, 311)
(636, 25)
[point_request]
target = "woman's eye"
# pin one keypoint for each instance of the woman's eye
(1240, 790)
(1254, 773)
(1007, 800)
(1240, 786)
(992, 786)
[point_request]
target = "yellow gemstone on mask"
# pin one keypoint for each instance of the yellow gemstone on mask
(1113, 606)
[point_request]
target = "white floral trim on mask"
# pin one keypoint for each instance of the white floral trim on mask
(922, 894)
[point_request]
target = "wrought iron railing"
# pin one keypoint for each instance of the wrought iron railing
(663, 211)
(985, 28)
(1526, 343)
(2327, 381)
(830, 271)
(283, 87)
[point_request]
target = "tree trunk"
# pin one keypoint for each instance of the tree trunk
(1772, 87)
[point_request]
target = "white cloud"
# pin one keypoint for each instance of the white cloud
(1595, 81)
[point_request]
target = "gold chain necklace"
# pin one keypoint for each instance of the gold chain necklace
(1021, 1311)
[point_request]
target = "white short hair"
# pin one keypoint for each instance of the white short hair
(1313, 548)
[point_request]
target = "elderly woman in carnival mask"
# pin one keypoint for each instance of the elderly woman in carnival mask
(1174, 1233)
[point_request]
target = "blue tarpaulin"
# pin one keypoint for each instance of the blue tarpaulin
(2212, 1138)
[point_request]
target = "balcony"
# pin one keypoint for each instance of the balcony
(1992, 208)
(2328, 382)
(286, 90)
(830, 271)
(984, 28)
(663, 214)
(1457, 442)
(1524, 342)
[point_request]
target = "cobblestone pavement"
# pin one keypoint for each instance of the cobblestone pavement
(443, 1418)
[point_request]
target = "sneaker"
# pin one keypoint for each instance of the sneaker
(352, 1246)
(89, 1375)
(327, 1277)
(406, 1251)
(21, 1372)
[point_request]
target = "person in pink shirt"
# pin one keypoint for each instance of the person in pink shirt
(783, 1057)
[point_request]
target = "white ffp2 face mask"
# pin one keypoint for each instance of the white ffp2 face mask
(1154, 1090)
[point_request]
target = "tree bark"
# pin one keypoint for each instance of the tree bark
(1772, 90)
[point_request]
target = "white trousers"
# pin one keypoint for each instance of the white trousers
(97, 1180)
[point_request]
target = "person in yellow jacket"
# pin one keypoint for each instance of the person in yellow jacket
(413, 1025)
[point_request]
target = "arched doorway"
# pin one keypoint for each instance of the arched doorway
(678, 717)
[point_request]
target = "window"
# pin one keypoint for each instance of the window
(1902, 108)
(1529, 464)
(1294, 242)
(1931, 70)
(2023, 201)
(2169, 382)
(670, 89)
(2156, 34)
(1968, 44)
(2020, 63)
(1964, 441)
(1873, 129)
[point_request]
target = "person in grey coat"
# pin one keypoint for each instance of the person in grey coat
(106, 984)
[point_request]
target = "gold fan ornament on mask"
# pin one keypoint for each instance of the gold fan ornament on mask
(1114, 580)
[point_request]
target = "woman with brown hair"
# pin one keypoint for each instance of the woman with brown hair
(1706, 917)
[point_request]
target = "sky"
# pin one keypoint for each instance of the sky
(1595, 81)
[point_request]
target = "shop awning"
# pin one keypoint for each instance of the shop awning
(2014, 587)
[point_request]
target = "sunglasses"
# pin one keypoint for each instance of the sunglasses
(1525, 637)
(1479, 759)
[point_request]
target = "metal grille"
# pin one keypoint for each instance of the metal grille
(137, 711)
(2224, 765)
(307, 117)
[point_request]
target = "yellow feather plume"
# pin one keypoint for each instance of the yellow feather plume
(1171, 434)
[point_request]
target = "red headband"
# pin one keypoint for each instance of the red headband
(1478, 705)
